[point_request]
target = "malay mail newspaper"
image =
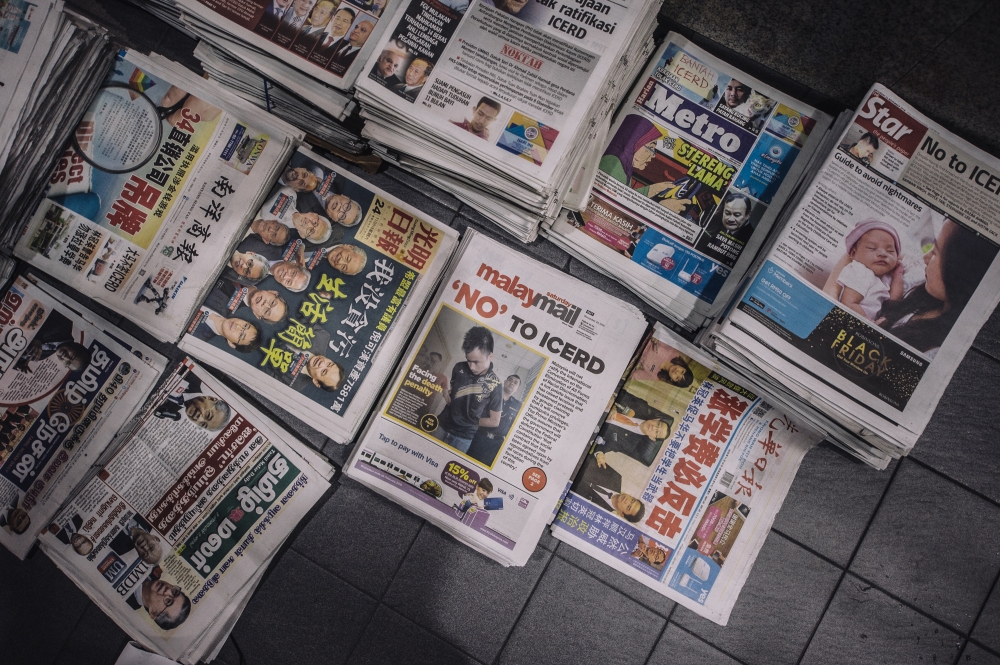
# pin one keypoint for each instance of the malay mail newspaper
(320, 296)
(329, 40)
(876, 287)
(65, 388)
(503, 385)
(697, 166)
(511, 83)
(160, 175)
(684, 478)
(171, 535)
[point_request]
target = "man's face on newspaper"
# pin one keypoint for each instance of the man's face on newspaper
(360, 33)
(512, 6)
(482, 117)
(271, 231)
(204, 412)
(342, 209)
(341, 22)
(248, 264)
(736, 93)
(310, 225)
(300, 179)
(655, 429)
(389, 62)
(324, 372)
(302, 7)
(346, 259)
(478, 361)
(290, 275)
(159, 597)
(68, 358)
(147, 546)
(416, 73)
(238, 332)
(626, 505)
(734, 214)
(321, 14)
(268, 306)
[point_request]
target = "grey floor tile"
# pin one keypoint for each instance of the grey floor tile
(337, 452)
(461, 595)
(39, 608)
(865, 626)
(391, 638)
(826, 45)
(947, 83)
(679, 647)
(302, 614)
(974, 654)
(640, 593)
(831, 502)
(572, 618)
(541, 249)
(987, 628)
(96, 640)
(960, 440)
(359, 536)
(778, 608)
(988, 339)
(918, 546)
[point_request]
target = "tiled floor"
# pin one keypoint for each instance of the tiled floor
(862, 566)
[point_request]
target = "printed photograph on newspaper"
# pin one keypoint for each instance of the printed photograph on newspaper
(869, 278)
(681, 463)
(309, 293)
(138, 204)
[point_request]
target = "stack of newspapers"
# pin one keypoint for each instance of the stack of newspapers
(159, 180)
(499, 393)
(866, 300)
(51, 62)
(699, 162)
(173, 533)
(501, 103)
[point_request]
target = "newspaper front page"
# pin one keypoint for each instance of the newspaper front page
(684, 479)
(152, 191)
(692, 178)
(321, 293)
(170, 534)
(875, 289)
(65, 388)
(487, 416)
(509, 81)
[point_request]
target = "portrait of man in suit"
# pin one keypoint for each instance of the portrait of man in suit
(167, 605)
(414, 79)
(339, 26)
(602, 485)
(348, 47)
(54, 338)
(638, 439)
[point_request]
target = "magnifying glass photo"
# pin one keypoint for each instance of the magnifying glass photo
(122, 129)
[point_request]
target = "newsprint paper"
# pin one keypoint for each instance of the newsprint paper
(171, 536)
(684, 478)
(66, 385)
(500, 391)
(877, 285)
(162, 171)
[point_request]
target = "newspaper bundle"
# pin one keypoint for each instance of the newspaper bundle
(51, 63)
(504, 384)
(173, 534)
(162, 172)
(321, 295)
(67, 382)
(683, 480)
(869, 297)
(699, 162)
(500, 102)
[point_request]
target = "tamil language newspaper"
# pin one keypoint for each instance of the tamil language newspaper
(871, 294)
(698, 164)
(66, 385)
(499, 101)
(173, 533)
(682, 482)
(321, 294)
(502, 387)
(161, 174)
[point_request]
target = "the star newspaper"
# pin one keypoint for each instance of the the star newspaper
(321, 294)
(499, 393)
(697, 165)
(161, 174)
(174, 532)
(869, 297)
(513, 89)
(327, 40)
(683, 480)
(67, 382)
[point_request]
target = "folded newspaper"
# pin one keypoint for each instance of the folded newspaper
(67, 382)
(502, 387)
(868, 298)
(699, 162)
(683, 480)
(498, 102)
(321, 295)
(162, 173)
(51, 64)
(173, 534)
